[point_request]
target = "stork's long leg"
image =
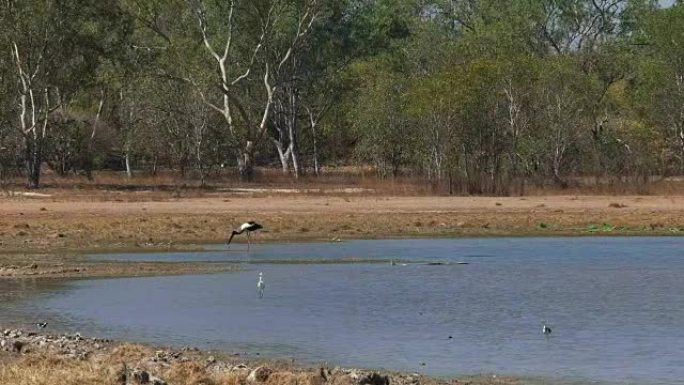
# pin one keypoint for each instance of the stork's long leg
(248, 233)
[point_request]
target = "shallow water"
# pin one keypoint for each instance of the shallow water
(464, 249)
(615, 306)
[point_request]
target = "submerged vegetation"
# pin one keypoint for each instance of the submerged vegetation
(468, 96)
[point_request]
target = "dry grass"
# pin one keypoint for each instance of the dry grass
(48, 370)
(107, 369)
(129, 352)
(194, 373)
(58, 225)
(169, 184)
(616, 205)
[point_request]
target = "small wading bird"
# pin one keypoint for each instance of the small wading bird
(248, 227)
(41, 325)
(546, 330)
(261, 285)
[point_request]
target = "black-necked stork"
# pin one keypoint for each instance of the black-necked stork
(248, 227)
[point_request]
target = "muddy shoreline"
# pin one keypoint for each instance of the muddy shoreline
(48, 237)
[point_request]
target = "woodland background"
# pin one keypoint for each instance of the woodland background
(465, 96)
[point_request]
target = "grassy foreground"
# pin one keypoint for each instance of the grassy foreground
(29, 358)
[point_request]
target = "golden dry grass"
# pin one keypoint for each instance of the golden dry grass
(67, 225)
(107, 368)
(194, 373)
(48, 370)
(168, 183)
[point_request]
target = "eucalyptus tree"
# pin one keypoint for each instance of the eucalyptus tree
(242, 41)
(29, 39)
(295, 76)
(659, 88)
(376, 82)
(8, 146)
(313, 83)
(55, 48)
(332, 47)
(386, 137)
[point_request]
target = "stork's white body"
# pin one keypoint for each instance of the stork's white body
(246, 226)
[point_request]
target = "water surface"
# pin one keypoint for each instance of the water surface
(615, 305)
(463, 249)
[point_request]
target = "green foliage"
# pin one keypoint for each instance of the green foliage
(477, 97)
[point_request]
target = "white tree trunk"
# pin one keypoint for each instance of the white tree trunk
(31, 111)
(283, 155)
(316, 166)
(295, 163)
(230, 98)
(129, 172)
(313, 122)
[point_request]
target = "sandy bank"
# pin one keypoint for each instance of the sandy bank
(53, 232)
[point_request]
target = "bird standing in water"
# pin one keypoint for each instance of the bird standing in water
(546, 330)
(248, 227)
(261, 285)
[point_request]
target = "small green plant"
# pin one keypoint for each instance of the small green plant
(607, 227)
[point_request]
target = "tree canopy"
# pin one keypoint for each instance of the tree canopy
(473, 96)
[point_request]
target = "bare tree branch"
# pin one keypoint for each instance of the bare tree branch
(303, 26)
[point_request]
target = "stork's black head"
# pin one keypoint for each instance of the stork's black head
(254, 226)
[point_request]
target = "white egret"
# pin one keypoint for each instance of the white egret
(261, 285)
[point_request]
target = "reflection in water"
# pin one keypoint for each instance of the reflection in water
(460, 249)
(614, 304)
(14, 294)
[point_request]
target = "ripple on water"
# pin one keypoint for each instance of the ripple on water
(614, 304)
